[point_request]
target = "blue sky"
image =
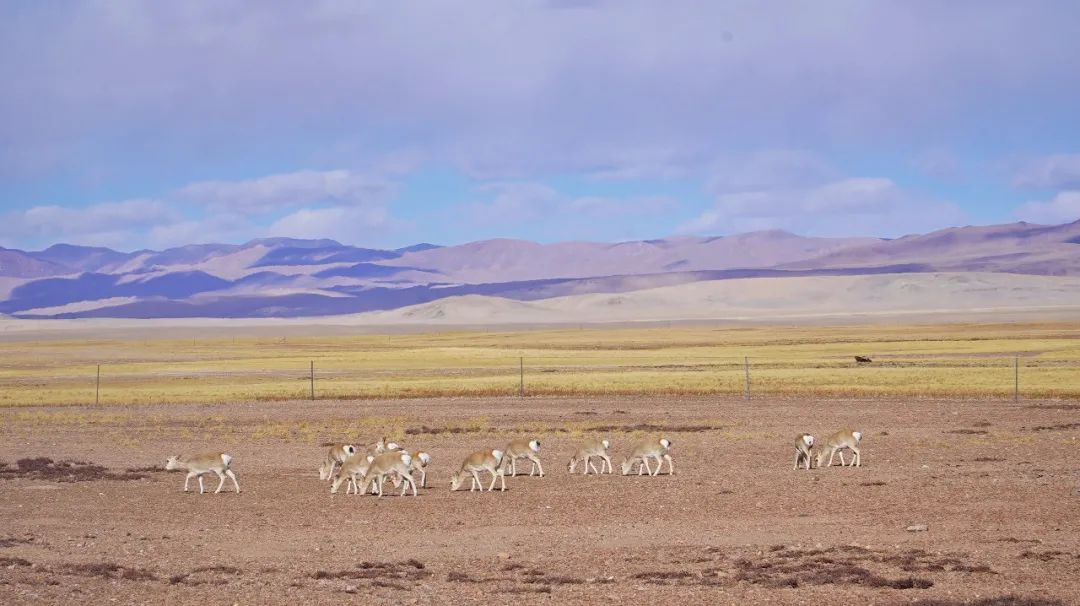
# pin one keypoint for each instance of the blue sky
(135, 124)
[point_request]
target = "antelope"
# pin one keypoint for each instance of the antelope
(199, 464)
(484, 460)
(337, 455)
(523, 449)
(836, 443)
(352, 470)
(389, 463)
(420, 460)
(588, 450)
(378, 448)
(382, 446)
(803, 444)
(649, 449)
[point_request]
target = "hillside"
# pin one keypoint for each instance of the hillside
(282, 277)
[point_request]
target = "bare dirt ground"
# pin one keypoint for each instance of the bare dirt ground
(995, 482)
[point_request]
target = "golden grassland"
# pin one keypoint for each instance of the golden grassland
(957, 360)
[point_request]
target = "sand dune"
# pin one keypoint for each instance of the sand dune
(759, 298)
(835, 300)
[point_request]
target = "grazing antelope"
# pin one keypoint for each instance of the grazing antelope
(352, 470)
(485, 460)
(199, 464)
(378, 448)
(803, 444)
(523, 449)
(338, 454)
(649, 449)
(836, 443)
(588, 450)
(420, 460)
(389, 463)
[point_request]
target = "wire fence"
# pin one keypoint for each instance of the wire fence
(581, 374)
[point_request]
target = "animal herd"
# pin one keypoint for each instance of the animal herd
(364, 470)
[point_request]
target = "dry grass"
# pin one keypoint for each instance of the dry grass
(408, 570)
(781, 567)
(930, 361)
(108, 570)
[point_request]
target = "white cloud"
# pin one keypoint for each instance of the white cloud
(1058, 171)
(514, 203)
(1062, 208)
(602, 207)
(769, 169)
(345, 224)
(338, 203)
(104, 224)
(274, 192)
(854, 206)
(540, 212)
(216, 227)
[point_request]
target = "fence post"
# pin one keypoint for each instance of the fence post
(1016, 379)
(97, 387)
(746, 365)
(521, 377)
(313, 380)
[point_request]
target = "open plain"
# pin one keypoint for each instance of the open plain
(995, 483)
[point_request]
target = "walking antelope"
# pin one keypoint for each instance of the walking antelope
(803, 444)
(652, 448)
(836, 443)
(420, 461)
(199, 464)
(584, 455)
(484, 460)
(523, 449)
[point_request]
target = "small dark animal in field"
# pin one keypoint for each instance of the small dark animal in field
(862, 360)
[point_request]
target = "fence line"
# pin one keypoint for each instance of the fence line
(1016, 379)
(930, 376)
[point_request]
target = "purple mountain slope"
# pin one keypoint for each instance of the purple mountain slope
(287, 277)
(1013, 248)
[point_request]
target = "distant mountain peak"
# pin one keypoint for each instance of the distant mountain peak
(294, 242)
(421, 247)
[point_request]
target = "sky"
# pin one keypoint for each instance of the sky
(383, 124)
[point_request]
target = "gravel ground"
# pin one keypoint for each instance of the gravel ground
(996, 484)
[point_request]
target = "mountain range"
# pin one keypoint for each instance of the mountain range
(283, 277)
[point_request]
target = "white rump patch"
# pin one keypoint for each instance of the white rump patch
(498, 454)
(857, 435)
(666, 443)
(370, 458)
(393, 446)
(424, 457)
(226, 459)
(534, 446)
(406, 458)
(606, 444)
(808, 440)
(350, 449)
